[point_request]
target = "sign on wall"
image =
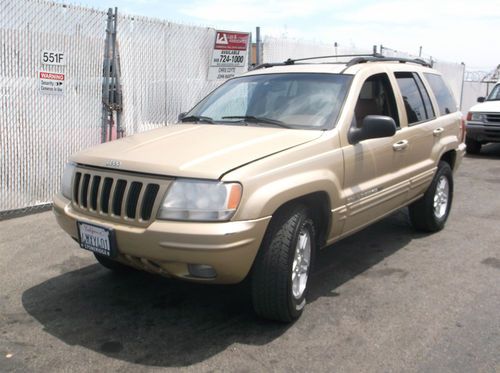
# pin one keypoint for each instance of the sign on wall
(53, 58)
(51, 83)
(230, 55)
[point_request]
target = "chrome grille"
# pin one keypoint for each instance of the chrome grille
(494, 118)
(117, 196)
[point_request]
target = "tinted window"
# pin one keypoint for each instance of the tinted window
(376, 98)
(308, 101)
(413, 98)
(445, 100)
(425, 96)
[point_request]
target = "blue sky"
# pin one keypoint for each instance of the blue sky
(456, 31)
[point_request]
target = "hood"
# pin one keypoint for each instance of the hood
(197, 151)
(487, 107)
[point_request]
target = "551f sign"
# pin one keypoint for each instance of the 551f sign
(53, 58)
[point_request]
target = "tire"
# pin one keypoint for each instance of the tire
(283, 266)
(429, 213)
(472, 146)
(111, 264)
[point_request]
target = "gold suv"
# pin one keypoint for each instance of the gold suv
(266, 170)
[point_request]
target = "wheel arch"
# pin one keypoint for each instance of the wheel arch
(319, 206)
(449, 157)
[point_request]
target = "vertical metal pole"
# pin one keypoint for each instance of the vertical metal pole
(374, 50)
(112, 95)
(113, 54)
(117, 87)
(250, 47)
(105, 81)
(381, 49)
(257, 46)
(463, 82)
(420, 51)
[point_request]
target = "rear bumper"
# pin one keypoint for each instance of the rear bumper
(167, 247)
(483, 132)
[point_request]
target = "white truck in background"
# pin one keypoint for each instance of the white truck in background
(483, 121)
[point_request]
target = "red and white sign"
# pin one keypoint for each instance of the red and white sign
(51, 83)
(229, 57)
(231, 40)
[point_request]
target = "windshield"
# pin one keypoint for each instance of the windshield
(305, 101)
(495, 94)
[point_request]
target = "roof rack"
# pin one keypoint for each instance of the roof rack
(355, 59)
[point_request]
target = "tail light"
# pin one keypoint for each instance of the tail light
(469, 115)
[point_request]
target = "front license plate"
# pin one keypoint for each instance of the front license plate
(98, 239)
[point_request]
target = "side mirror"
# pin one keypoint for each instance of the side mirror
(480, 99)
(181, 116)
(373, 127)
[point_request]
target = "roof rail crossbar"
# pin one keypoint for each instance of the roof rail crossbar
(356, 59)
(267, 65)
(291, 62)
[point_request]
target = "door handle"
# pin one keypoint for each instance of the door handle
(400, 145)
(438, 131)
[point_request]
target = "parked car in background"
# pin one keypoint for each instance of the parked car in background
(269, 168)
(483, 121)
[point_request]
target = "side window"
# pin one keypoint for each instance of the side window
(376, 98)
(416, 99)
(425, 96)
(445, 100)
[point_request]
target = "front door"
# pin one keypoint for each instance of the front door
(375, 182)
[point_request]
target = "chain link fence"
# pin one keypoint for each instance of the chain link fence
(164, 69)
(39, 131)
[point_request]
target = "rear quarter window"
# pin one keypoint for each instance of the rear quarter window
(444, 98)
(416, 99)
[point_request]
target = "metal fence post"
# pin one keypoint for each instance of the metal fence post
(105, 81)
(257, 46)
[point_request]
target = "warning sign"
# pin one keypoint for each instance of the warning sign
(51, 83)
(229, 57)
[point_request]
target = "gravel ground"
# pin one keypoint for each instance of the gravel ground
(384, 300)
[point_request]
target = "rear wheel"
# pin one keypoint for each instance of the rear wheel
(472, 146)
(429, 213)
(282, 268)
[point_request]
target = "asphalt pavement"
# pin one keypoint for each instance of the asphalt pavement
(386, 299)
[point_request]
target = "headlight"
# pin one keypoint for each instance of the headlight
(67, 177)
(200, 200)
(478, 117)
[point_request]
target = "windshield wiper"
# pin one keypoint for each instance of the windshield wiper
(197, 119)
(254, 119)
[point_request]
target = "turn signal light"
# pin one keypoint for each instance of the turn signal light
(463, 129)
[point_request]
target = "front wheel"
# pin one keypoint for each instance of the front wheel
(283, 265)
(429, 213)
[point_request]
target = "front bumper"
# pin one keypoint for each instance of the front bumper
(167, 247)
(483, 132)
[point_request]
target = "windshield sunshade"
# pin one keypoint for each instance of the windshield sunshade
(293, 100)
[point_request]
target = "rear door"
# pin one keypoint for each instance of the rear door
(420, 130)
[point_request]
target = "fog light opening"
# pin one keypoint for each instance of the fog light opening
(201, 270)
